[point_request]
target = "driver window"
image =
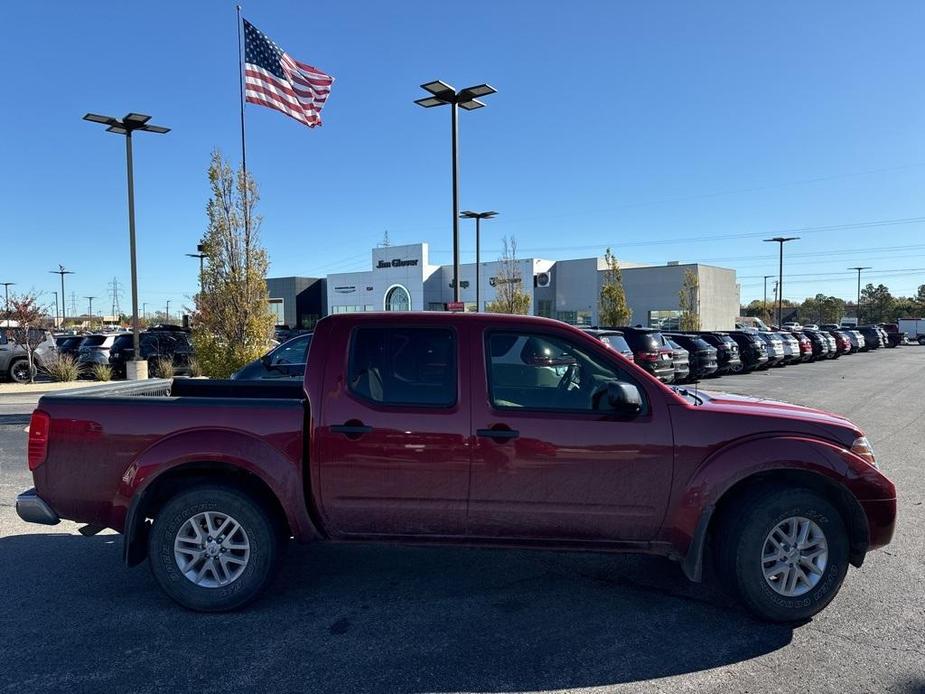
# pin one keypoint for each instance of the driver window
(543, 372)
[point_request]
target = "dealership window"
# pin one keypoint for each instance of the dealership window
(567, 316)
(277, 308)
(665, 320)
(544, 308)
(436, 306)
(404, 366)
(397, 299)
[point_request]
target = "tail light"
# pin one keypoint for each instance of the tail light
(38, 438)
(646, 356)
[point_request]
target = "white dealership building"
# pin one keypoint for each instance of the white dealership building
(402, 278)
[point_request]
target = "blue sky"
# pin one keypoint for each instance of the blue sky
(668, 131)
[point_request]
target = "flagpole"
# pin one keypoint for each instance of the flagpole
(243, 139)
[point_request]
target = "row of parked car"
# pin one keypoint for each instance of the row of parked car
(681, 357)
(155, 343)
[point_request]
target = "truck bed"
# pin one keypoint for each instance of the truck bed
(103, 438)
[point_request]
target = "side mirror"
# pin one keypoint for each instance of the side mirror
(623, 398)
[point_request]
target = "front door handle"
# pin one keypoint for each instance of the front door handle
(497, 434)
(351, 430)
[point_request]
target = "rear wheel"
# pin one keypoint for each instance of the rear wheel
(784, 551)
(213, 548)
(20, 371)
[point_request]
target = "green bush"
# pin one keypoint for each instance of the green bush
(163, 367)
(62, 368)
(101, 372)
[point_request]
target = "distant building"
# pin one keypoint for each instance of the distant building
(297, 302)
(402, 278)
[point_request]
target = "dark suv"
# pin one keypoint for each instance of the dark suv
(752, 349)
(727, 351)
(649, 352)
(155, 343)
(703, 360)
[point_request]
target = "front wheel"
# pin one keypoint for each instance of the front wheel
(784, 552)
(20, 371)
(213, 548)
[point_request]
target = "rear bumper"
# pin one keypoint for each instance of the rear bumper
(881, 521)
(34, 509)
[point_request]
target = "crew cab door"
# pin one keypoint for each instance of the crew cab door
(394, 429)
(550, 462)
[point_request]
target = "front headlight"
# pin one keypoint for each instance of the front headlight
(862, 449)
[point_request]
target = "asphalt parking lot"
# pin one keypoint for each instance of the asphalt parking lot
(396, 619)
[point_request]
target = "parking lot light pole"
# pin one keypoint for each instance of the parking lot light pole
(56, 308)
(202, 255)
(61, 271)
(6, 306)
(857, 307)
(126, 126)
(466, 98)
(90, 309)
(766, 277)
(167, 315)
(780, 279)
(478, 217)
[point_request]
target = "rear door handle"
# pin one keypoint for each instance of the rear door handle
(497, 434)
(351, 429)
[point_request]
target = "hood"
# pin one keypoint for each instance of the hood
(792, 417)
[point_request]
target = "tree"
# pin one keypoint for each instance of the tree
(822, 309)
(760, 309)
(876, 304)
(688, 300)
(510, 296)
(28, 315)
(232, 323)
(612, 308)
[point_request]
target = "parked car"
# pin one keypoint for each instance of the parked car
(155, 343)
(727, 351)
(820, 341)
(888, 341)
(703, 359)
(871, 335)
(806, 345)
(792, 351)
(14, 361)
(752, 349)
(613, 339)
(894, 337)
(857, 340)
(94, 349)
(775, 347)
(681, 360)
(409, 428)
(286, 361)
(649, 352)
(69, 345)
(842, 341)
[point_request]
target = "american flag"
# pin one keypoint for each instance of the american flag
(272, 78)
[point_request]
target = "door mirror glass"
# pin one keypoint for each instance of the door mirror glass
(623, 398)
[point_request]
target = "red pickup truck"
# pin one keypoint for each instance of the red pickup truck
(471, 429)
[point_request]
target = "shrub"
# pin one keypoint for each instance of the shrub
(61, 367)
(195, 370)
(163, 367)
(101, 372)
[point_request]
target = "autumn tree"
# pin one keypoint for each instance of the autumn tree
(510, 296)
(688, 302)
(822, 309)
(232, 322)
(877, 304)
(612, 308)
(27, 314)
(759, 309)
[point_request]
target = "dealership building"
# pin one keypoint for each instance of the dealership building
(402, 278)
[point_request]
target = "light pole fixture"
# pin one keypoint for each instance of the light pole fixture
(6, 307)
(90, 309)
(202, 255)
(61, 271)
(478, 217)
(780, 279)
(441, 94)
(857, 308)
(129, 124)
(167, 316)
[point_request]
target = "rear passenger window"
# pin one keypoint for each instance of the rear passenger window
(404, 366)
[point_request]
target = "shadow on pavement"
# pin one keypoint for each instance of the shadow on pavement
(365, 619)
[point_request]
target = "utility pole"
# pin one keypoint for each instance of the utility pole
(115, 293)
(6, 309)
(56, 308)
(766, 277)
(61, 271)
(857, 308)
(90, 309)
(167, 317)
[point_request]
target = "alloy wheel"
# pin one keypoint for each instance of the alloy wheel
(794, 556)
(212, 549)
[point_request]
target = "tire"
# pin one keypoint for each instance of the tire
(743, 540)
(173, 526)
(19, 371)
(922, 339)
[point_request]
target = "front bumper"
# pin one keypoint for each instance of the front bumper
(34, 509)
(881, 521)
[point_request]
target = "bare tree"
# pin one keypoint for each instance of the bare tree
(510, 296)
(232, 321)
(27, 314)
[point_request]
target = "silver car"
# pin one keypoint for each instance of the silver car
(14, 362)
(95, 349)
